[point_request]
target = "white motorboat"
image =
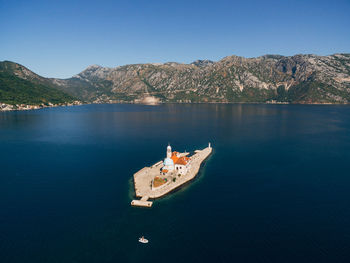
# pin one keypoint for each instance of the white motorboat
(143, 240)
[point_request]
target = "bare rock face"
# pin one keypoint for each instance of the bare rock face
(202, 63)
(148, 100)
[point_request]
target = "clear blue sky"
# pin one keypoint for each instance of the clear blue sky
(61, 38)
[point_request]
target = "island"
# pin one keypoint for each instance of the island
(165, 176)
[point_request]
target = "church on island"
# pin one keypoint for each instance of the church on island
(175, 163)
(168, 174)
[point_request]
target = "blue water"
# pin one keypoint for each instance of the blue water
(276, 188)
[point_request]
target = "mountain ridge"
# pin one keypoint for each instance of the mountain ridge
(301, 78)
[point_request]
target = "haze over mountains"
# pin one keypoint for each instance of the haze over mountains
(294, 79)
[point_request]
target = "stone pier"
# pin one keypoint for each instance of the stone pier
(143, 202)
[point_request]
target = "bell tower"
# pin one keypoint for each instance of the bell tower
(168, 151)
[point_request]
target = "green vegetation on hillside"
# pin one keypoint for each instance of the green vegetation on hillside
(15, 90)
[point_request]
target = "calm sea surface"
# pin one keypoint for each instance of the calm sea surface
(275, 189)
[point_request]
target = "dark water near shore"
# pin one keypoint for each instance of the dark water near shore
(276, 189)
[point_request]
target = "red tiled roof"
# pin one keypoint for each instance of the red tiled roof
(182, 161)
(174, 157)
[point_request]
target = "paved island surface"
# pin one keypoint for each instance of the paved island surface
(143, 179)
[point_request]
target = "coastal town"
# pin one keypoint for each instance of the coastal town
(165, 176)
(13, 107)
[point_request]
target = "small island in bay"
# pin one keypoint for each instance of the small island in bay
(166, 176)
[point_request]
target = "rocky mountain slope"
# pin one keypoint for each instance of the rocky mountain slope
(269, 78)
(296, 79)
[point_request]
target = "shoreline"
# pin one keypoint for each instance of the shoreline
(4, 107)
(27, 107)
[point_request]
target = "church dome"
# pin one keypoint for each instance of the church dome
(168, 162)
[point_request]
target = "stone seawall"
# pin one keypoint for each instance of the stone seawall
(143, 178)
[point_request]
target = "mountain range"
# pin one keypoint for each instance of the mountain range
(270, 78)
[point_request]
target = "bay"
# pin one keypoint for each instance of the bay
(275, 189)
